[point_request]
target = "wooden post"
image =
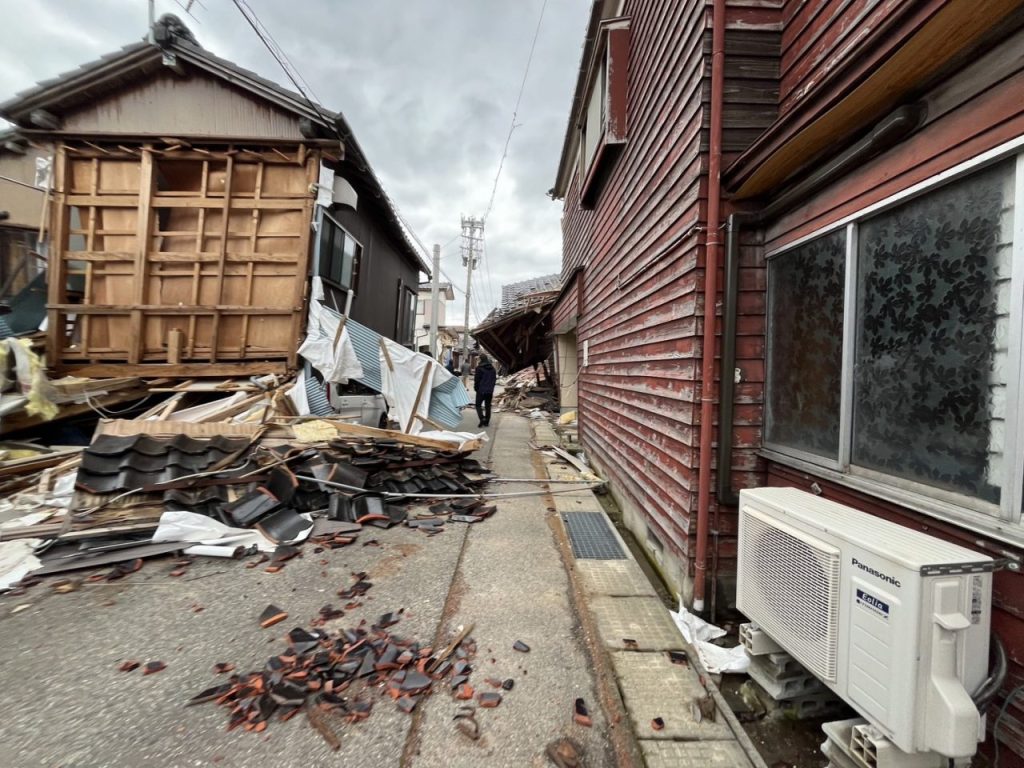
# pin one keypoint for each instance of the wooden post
(222, 254)
(175, 337)
(56, 264)
(143, 225)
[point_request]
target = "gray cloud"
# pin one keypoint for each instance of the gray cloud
(427, 86)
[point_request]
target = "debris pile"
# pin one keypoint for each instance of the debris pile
(338, 677)
(527, 391)
(148, 488)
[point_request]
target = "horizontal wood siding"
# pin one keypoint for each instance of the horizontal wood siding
(970, 113)
(643, 246)
(819, 35)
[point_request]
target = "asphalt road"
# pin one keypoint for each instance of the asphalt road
(64, 702)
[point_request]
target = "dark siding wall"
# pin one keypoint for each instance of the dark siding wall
(375, 304)
(643, 246)
(638, 395)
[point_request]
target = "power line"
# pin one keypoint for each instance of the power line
(296, 78)
(515, 112)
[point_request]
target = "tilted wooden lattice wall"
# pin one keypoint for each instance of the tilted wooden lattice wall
(178, 261)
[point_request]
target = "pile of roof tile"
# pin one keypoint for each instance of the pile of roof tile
(337, 677)
(291, 492)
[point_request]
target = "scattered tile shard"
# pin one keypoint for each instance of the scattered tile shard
(152, 667)
(488, 699)
(129, 666)
(658, 724)
(520, 646)
(581, 716)
(272, 615)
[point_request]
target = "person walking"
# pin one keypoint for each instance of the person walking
(483, 383)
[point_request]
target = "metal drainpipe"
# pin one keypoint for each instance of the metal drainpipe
(712, 248)
(893, 128)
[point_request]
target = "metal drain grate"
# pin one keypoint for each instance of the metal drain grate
(591, 537)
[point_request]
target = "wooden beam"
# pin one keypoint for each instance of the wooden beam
(182, 371)
(358, 430)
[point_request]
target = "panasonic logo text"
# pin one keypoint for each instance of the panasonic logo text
(877, 574)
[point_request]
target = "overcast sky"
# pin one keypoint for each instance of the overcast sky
(428, 87)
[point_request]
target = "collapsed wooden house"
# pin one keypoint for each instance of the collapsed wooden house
(189, 201)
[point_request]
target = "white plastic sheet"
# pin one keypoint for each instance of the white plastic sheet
(200, 529)
(699, 633)
(401, 385)
(17, 560)
(333, 355)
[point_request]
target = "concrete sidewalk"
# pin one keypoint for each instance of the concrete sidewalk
(636, 632)
(65, 703)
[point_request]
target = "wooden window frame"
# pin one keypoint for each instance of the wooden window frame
(611, 60)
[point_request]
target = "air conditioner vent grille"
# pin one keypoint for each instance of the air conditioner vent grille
(791, 589)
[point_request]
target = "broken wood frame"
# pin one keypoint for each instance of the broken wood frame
(190, 262)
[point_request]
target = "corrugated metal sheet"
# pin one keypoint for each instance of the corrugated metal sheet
(446, 400)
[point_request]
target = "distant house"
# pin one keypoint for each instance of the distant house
(799, 262)
(191, 200)
(518, 333)
(424, 316)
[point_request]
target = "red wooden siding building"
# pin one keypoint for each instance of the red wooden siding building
(794, 255)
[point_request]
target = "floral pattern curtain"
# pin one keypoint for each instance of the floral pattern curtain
(805, 310)
(933, 279)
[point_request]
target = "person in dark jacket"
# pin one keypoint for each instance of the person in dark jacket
(483, 383)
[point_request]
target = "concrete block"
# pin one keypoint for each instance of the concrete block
(784, 689)
(652, 686)
(756, 641)
(615, 578)
(872, 749)
(693, 754)
(644, 619)
(813, 705)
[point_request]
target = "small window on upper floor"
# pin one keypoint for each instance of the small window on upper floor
(340, 255)
(602, 129)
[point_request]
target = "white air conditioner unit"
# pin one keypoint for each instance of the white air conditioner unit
(894, 621)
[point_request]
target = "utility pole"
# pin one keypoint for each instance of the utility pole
(435, 295)
(471, 226)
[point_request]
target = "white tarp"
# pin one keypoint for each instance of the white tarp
(17, 560)
(402, 372)
(699, 633)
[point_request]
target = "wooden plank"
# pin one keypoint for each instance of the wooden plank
(182, 371)
(144, 221)
(427, 372)
(312, 160)
(159, 309)
(129, 427)
(278, 203)
(358, 430)
(175, 339)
